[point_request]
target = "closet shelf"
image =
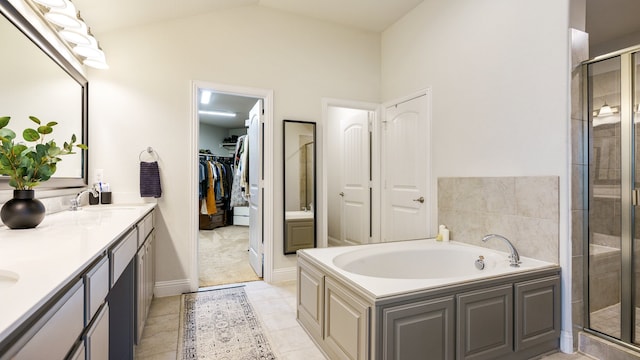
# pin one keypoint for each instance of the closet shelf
(228, 145)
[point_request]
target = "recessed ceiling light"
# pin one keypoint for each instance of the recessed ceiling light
(217, 113)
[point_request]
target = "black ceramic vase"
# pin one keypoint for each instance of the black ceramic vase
(23, 211)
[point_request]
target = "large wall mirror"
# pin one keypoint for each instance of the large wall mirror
(37, 80)
(299, 185)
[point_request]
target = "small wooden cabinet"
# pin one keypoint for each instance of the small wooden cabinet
(300, 235)
(97, 336)
(145, 281)
(485, 323)
(537, 311)
(346, 323)
(411, 330)
(310, 300)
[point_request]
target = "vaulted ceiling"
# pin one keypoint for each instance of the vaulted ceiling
(372, 15)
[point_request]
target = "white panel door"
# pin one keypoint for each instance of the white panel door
(406, 171)
(254, 134)
(355, 163)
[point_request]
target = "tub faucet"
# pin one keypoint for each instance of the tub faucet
(75, 203)
(514, 257)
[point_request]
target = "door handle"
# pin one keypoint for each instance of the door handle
(341, 194)
(420, 199)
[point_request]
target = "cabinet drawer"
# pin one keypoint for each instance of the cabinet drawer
(55, 334)
(96, 287)
(122, 253)
(97, 338)
(144, 228)
(241, 211)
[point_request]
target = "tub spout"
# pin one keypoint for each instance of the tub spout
(514, 257)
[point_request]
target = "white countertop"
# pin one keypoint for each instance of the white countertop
(48, 257)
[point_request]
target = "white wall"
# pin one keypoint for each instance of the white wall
(210, 137)
(144, 99)
(500, 83)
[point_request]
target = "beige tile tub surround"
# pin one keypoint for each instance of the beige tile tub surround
(523, 209)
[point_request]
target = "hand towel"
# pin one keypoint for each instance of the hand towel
(150, 179)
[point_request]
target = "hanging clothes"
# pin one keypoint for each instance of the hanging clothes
(237, 190)
(211, 195)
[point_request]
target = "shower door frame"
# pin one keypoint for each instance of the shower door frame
(627, 151)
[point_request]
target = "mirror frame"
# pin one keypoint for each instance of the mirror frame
(284, 184)
(11, 14)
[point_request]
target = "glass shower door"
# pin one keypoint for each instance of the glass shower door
(635, 258)
(605, 190)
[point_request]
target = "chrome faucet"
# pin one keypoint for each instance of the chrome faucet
(75, 203)
(514, 257)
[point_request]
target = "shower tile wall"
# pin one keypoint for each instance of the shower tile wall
(524, 209)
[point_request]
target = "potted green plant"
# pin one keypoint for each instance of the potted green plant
(28, 164)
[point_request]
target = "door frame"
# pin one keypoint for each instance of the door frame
(267, 166)
(375, 108)
(432, 184)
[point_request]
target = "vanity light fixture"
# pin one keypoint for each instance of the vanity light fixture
(52, 3)
(65, 17)
(605, 110)
(66, 21)
(77, 35)
(98, 62)
(217, 113)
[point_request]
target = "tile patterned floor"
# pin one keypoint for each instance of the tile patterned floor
(275, 305)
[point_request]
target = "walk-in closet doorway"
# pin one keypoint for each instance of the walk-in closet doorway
(229, 237)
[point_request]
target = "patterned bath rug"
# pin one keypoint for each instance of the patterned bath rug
(221, 324)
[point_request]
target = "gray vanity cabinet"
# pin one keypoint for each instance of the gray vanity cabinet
(97, 336)
(485, 323)
(45, 337)
(310, 299)
(145, 272)
(346, 323)
(412, 330)
(300, 234)
(537, 312)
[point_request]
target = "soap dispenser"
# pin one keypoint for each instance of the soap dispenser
(443, 233)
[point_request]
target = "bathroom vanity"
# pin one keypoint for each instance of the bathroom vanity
(79, 285)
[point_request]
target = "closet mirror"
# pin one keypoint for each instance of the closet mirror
(38, 81)
(299, 185)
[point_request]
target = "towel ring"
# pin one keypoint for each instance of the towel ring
(149, 151)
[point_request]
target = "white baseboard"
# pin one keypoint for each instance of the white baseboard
(170, 288)
(284, 274)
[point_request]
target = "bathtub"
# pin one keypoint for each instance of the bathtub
(363, 302)
(392, 268)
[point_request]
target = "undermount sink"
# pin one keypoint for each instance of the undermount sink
(8, 278)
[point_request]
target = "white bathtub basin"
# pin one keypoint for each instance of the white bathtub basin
(393, 268)
(422, 263)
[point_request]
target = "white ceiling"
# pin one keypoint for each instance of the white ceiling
(113, 15)
(606, 19)
(374, 15)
